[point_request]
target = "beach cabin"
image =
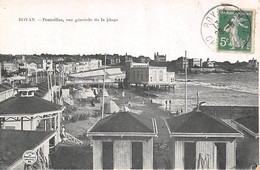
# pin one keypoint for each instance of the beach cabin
(123, 140)
(28, 112)
(247, 148)
(13, 144)
(200, 141)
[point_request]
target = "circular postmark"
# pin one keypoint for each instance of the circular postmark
(227, 28)
(29, 157)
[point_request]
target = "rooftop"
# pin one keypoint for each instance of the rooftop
(230, 112)
(249, 122)
(198, 122)
(27, 105)
(124, 122)
(5, 86)
(12, 149)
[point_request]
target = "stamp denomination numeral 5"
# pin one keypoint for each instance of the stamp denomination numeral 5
(223, 41)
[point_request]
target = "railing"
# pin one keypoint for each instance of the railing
(72, 139)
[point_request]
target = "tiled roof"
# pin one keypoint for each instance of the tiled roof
(227, 112)
(198, 122)
(13, 143)
(250, 122)
(27, 105)
(124, 122)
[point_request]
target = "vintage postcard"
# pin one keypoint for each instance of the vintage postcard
(136, 84)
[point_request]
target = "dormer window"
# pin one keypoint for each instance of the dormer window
(27, 90)
(24, 93)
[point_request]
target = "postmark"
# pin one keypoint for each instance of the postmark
(227, 28)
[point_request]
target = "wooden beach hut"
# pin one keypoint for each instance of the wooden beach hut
(123, 141)
(200, 141)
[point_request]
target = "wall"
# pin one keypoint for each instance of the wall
(122, 150)
(148, 154)
(97, 154)
(179, 155)
(122, 154)
(205, 151)
(17, 125)
(6, 94)
(231, 155)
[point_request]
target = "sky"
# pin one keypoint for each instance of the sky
(141, 28)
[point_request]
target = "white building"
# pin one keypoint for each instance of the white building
(143, 73)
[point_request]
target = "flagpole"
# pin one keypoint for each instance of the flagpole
(186, 81)
(103, 96)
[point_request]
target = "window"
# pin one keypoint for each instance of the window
(137, 155)
(151, 79)
(108, 155)
(161, 75)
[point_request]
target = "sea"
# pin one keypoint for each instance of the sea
(213, 89)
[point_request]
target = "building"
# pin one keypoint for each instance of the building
(180, 64)
(195, 62)
(123, 140)
(200, 141)
(143, 73)
(208, 63)
(9, 67)
(28, 112)
(47, 65)
(143, 59)
(15, 142)
(112, 60)
(6, 91)
(247, 147)
(96, 76)
(253, 63)
(88, 65)
(159, 58)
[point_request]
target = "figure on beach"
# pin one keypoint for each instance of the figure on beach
(232, 29)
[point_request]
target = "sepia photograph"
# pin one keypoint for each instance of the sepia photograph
(138, 84)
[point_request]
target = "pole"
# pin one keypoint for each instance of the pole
(103, 100)
(185, 81)
(198, 105)
(36, 76)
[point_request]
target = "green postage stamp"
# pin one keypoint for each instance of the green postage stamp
(235, 31)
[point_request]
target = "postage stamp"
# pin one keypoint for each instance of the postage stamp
(235, 30)
(227, 28)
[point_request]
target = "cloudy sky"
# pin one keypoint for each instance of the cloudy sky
(142, 28)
